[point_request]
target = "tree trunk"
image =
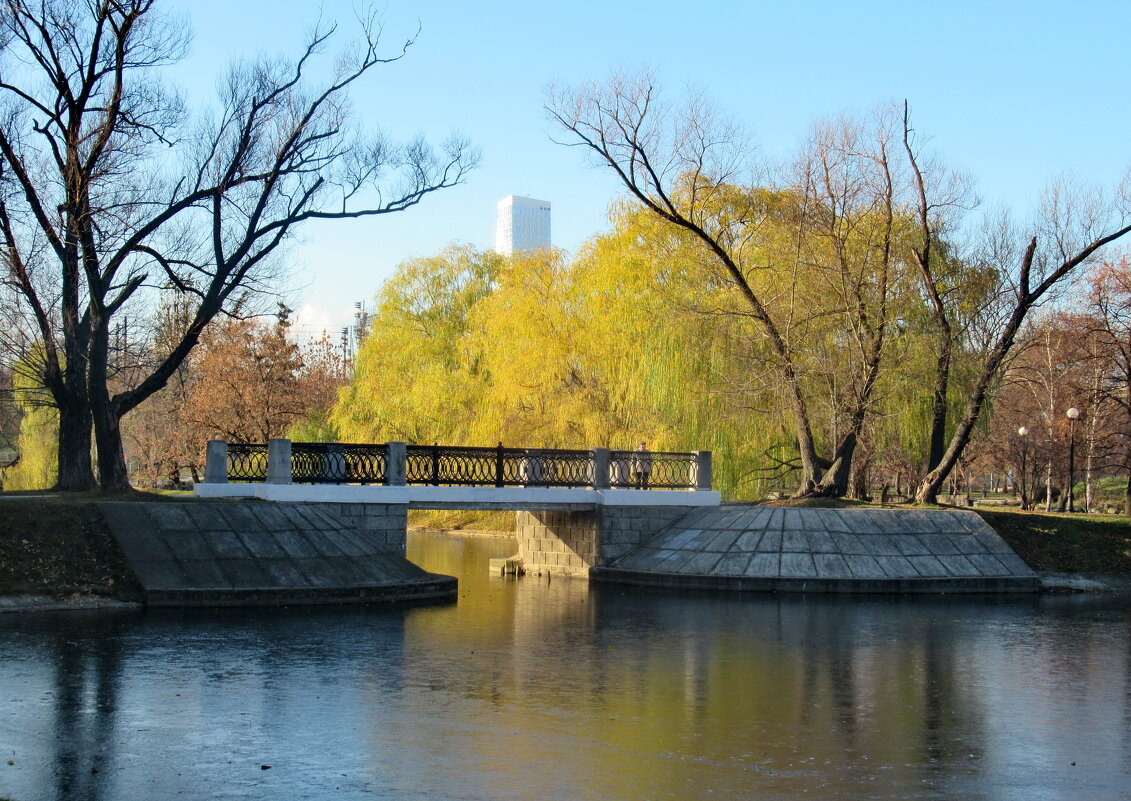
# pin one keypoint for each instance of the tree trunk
(938, 401)
(810, 461)
(929, 489)
(834, 483)
(76, 473)
(858, 483)
(1048, 485)
(69, 389)
(112, 473)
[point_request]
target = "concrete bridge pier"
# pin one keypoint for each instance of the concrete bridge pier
(569, 543)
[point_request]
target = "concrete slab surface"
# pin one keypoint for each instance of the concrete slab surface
(853, 550)
(249, 553)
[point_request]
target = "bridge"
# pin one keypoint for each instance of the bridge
(577, 509)
(624, 516)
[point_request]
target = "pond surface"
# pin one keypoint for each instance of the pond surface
(536, 689)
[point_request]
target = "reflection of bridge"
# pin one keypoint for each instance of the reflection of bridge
(577, 508)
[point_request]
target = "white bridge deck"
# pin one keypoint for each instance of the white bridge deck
(431, 497)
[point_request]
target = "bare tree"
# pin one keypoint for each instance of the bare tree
(938, 195)
(110, 194)
(1072, 229)
(1110, 329)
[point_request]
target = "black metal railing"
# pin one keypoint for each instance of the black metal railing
(446, 465)
(498, 466)
(652, 470)
(247, 461)
(561, 468)
(453, 465)
(338, 463)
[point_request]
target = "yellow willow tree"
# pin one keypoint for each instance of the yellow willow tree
(417, 377)
(36, 466)
(533, 350)
(677, 350)
(550, 357)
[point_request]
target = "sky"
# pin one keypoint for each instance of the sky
(1014, 93)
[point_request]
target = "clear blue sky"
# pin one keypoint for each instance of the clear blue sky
(1013, 92)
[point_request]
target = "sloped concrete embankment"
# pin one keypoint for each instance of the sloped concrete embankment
(258, 554)
(826, 550)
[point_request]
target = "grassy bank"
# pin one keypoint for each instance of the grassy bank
(1062, 543)
(1066, 543)
(462, 520)
(57, 546)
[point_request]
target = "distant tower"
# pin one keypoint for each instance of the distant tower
(523, 224)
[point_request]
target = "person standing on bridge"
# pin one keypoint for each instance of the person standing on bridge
(641, 467)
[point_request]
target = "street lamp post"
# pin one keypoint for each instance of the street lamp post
(1073, 413)
(1021, 432)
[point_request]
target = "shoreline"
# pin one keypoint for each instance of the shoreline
(74, 603)
(1051, 583)
(84, 572)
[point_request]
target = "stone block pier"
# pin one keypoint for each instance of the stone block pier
(574, 542)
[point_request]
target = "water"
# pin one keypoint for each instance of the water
(537, 689)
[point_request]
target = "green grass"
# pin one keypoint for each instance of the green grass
(1059, 542)
(1069, 543)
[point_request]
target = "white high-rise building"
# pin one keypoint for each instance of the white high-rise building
(523, 224)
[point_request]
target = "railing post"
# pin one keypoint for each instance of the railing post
(435, 464)
(278, 461)
(702, 470)
(600, 468)
(499, 465)
(531, 468)
(396, 464)
(216, 462)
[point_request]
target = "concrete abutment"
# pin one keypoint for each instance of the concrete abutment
(572, 542)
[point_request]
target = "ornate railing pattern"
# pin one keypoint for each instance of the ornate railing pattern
(499, 466)
(651, 470)
(247, 461)
(442, 465)
(561, 468)
(338, 463)
(445, 464)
